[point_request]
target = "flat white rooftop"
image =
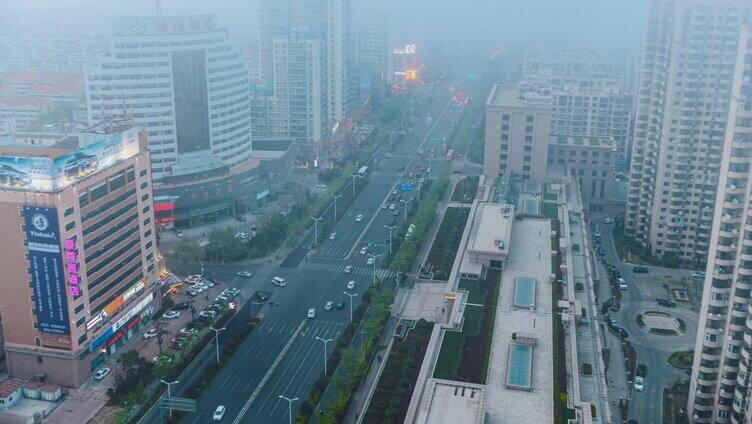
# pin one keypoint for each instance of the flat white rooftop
(491, 226)
(508, 394)
(452, 402)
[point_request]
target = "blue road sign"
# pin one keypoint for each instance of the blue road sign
(406, 186)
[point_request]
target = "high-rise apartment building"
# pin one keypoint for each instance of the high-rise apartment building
(518, 128)
(183, 82)
(692, 60)
(372, 39)
(79, 260)
(328, 18)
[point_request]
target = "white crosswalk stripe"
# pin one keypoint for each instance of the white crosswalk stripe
(339, 268)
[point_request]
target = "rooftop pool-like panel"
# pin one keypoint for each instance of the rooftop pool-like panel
(524, 292)
(531, 207)
(520, 367)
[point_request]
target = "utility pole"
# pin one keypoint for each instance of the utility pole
(169, 390)
(335, 196)
(390, 227)
(355, 176)
(351, 303)
(325, 342)
(404, 206)
(374, 266)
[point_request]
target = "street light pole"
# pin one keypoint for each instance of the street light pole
(374, 266)
(404, 206)
(355, 176)
(169, 391)
(289, 405)
(351, 303)
(316, 230)
(325, 342)
(390, 237)
(216, 338)
(337, 196)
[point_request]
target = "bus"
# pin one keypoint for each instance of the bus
(362, 171)
(450, 154)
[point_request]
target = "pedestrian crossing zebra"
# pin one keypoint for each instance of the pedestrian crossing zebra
(330, 267)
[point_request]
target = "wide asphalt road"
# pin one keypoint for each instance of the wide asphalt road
(283, 356)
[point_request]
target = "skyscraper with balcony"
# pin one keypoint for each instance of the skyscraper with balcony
(692, 59)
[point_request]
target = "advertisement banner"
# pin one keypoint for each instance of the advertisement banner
(46, 264)
(50, 175)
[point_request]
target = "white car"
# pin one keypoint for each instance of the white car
(245, 274)
(608, 220)
(348, 269)
(101, 373)
(351, 285)
(363, 250)
(197, 289)
(188, 331)
(219, 413)
(311, 313)
(329, 305)
(370, 261)
(358, 218)
(207, 314)
(639, 384)
(392, 206)
(332, 236)
(171, 314)
(320, 185)
(150, 333)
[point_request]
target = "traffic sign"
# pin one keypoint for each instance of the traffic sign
(406, 187)
(178, 404)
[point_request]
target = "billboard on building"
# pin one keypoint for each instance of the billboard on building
(46, 266)
(49, 175)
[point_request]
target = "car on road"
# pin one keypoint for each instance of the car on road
(348, 269)
(279, 281)
(245, 274)
(370, 261)
(358, 218)
(150, 333)
(351, 285)
(622, 284)
(392, 206)
(608, 220)
(394, 192)
(332, 236)
(639, 384)
(101, 373)
(328, 306)
(312, 313)
(363, 250)
(320, 185)
(616, 273)
(170, 314)
(219, 413)
(340, 305)
(666, 302)
(642, 370)
(640, 270)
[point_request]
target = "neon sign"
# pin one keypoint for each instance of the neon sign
(71, 267)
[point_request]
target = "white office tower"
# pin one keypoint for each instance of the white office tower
(182, 81)
(339, 59)
(693, 58)
(300, 84)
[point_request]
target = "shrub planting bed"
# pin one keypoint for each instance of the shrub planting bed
(444, 248)
(465, 189)
(393, 391)
(460, 351)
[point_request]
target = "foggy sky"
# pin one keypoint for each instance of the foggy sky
(539, 23)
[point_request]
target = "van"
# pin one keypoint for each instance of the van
(279, 281)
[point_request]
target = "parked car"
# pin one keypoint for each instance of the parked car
(150, 334)
(180, 306)
(363, 250)
(667, 303)
(101, 373)
(351, 285)
(328, 306)
(170, 314)
(358, 218)
(332, 236)
(639, 384)
(245, 274)
(384, 206)
(208, 313)
(312, 313)
(241, 218)
(188, 331)
(321, 185)
(348, 269)
(600, 251)
(392, 206)
(616, 273)
(622, 284)
(219, 413)
(640, 270)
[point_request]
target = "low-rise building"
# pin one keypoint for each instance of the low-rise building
(488, 239)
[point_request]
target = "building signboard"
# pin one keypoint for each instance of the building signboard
(46, 266)
(165, 25)
(50, 175)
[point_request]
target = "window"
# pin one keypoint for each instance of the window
(145, 197)
(711, 338)
(81, 321)
(505, 117)
(82, 338)
(142, 173)
(529, 118)
(71, 225)
(69, 211)
(144, 184)
(39, 359)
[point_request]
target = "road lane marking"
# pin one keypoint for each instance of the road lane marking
(224, 382)
(268, 374)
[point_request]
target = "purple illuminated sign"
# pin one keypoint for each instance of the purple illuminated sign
(71, 267)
